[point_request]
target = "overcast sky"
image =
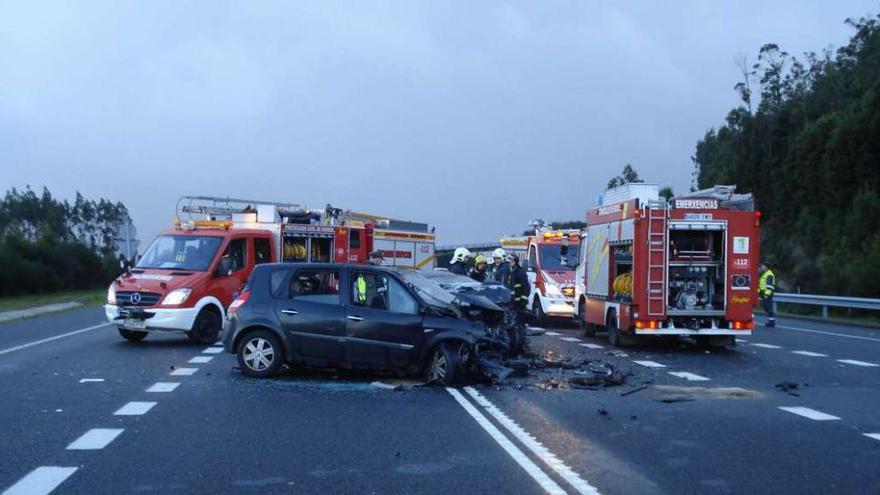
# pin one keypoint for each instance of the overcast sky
(475, 117)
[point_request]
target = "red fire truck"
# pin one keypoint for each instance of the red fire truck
(189, 275)
(687, 267)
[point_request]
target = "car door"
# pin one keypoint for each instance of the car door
(312, 314)
(384, 324)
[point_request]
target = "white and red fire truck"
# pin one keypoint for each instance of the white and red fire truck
(687, 267)
(549, 258)
(190, 274)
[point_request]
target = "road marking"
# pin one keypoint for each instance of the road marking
(163, 387)
(183, 371)
(135, 408)
(570, 339)
(809, 353)
(91, 380)
(829, 333)
(42, 480)
(549, 458)
(858, 363)
(535, 328)
(95, 439)
(875, 436)
(592, 346)
(650, 364)
(201, 359)
(742, 341)
(810, 413)
(689, 376)
(50, 339)
(767, 346)
(213, 350)
(552, 334)
(218, 344)
(524, 462)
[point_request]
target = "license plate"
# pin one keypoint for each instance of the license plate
(134, 324)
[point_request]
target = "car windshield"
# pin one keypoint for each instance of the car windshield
(449, 279)
(180, 252)
(552, 258)
(428, 290)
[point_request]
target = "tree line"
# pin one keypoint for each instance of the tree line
(49, 245)
(806, 141)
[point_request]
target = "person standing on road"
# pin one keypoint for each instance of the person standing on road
(501, 268)
(766, 288)
(459, 260)
(478, 272)
(518, 282)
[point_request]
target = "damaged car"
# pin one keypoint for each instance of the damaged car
(356, 317)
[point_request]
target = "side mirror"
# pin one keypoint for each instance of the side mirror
(224, 268)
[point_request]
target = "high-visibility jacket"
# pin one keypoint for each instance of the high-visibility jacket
(767, 284)
(361, 289)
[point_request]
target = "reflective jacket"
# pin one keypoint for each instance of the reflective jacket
(767, 284)
(518, 282)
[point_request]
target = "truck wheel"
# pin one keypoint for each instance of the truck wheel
(588, 328)
(613, 331)
(538, 312)
(259, 354)
(206, 328)
(132, 335)
(443, 364)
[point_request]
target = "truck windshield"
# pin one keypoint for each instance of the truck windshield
(181, 252)
(553, 259)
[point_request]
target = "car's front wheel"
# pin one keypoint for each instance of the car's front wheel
(444, 364)
(132, 335)
(259, 354)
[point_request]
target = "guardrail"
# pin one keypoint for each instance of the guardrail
(826, 301)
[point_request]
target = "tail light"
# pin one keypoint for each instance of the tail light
(647, 324)
(742, 325)
(757, 219)
(238, 302)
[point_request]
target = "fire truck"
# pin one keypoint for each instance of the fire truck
(549, 258)
(191, 273)
(687, 267)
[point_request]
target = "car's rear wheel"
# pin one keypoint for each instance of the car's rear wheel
(444, 364)
(206, 328)
(259, 354)
(132, 335)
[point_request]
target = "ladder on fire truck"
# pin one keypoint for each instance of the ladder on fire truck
(222, 208)
(657, 246)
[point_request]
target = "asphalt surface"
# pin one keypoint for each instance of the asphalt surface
(65, 378)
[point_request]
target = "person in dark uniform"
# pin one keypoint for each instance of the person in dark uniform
(518, 282)
(478, 272)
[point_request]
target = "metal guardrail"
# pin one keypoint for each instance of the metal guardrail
(826, 301)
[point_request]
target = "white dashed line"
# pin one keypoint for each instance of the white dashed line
(183, 371)
(134, 408)
(163, 387)
(742, 341)
(875, 436)
(95, 439)
(810, 413)
(570, 339)
(50, 339)
(829, 333)
(650, 364)
(41, 481)
(201, 359)
(213, 350)
(535, 328)
(519, 456)
(767, 346)
(592, 346)
(689, 376)
(857, 363)
(553, 334)
(218, 344)
(549, 458)
(91, 380)
(808, 353)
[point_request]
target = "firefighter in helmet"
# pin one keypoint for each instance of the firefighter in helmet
(460, 258)
(478, 272)
(376, 258)
(766, 289)
(518, 282)
(501, 266)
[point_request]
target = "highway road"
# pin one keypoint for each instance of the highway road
(82, 411)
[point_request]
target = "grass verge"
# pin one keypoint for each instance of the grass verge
(90, 297)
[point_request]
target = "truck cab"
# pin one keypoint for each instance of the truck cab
(550, 263)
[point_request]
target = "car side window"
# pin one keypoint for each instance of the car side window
(369, 290)
(400, 300)
(320, 286)
(262, 251)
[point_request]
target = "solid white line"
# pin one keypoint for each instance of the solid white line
(810, 413)
(535, 328)
(742, 340)
(213, 350)
(809, 353)
(183, 371)
(201, 359)
(570, 339)
(875, 436)
(95, 439)
(829, 333)
(767, 346)
(134, 408)
(524, 462)
(552, 334)
(689, 376)
(163, 387)
(50, 339)
(592, 346)
(858, 363)
(91, 380)
(549, 458)
(650, 364)
(42, 480)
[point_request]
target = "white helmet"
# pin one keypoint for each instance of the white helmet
(460, 255)
(499, 253)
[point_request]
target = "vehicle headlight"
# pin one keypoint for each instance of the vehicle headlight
(175, 297)
(111, 294)
(552, 290)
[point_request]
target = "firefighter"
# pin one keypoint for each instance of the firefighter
(518, 282)
(766, 288)
(501, 268)
(478, 272)
(459, 259)
(376, 258)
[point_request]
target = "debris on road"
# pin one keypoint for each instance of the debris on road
(534, 331)
(669, 394)
(637, 389)
(398, 385)
(789, 388)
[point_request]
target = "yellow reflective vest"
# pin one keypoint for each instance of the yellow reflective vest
(767, 284)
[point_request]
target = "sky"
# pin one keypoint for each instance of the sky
(475, 117)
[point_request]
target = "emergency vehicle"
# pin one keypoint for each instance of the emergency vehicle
(549, 258)
(687, 267)
(191, 273)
